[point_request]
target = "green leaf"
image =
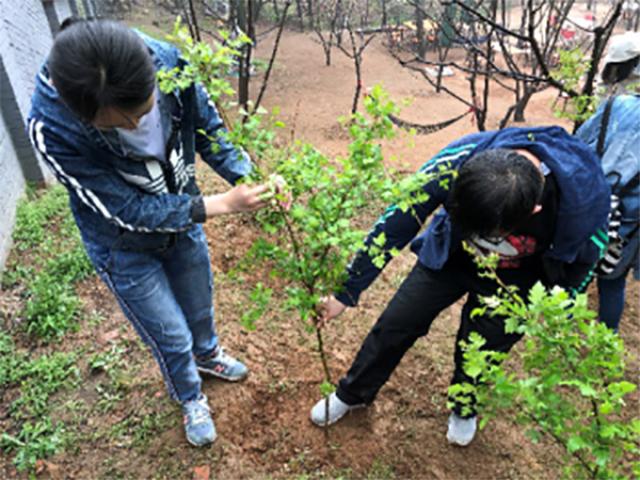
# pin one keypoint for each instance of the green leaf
(327, 388)
(537, 293)
(575, 443)
(621, 389)
(380, 240)
(606, 408)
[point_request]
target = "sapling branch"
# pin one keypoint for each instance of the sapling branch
(323, 355)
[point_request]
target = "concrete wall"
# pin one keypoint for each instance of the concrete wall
(12, 187)
(27, 28)
(64, 9)
(25, 40)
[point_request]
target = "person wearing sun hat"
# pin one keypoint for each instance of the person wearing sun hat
(621, 70)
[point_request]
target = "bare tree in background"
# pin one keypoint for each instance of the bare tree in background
(355, 50)
(476, 39)
(421, 41)
(545, 27)
(520, 59)
(242, 18)
(272, 58)
(300, 11)
(383, 14)
(327, 16)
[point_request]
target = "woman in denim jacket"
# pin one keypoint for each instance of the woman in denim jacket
(126, 154)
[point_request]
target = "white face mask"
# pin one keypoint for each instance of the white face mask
(494, 244)
(147, 122)
(147, 139)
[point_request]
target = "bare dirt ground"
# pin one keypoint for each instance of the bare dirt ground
(263, 425)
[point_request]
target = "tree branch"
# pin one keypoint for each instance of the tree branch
(274, 52)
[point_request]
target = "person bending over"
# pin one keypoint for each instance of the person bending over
(535, 196)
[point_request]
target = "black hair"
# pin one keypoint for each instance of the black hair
(494, 192)
(614, 72)
(73, 19)
(100, 63)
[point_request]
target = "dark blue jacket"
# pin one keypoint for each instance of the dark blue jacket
(118, 200)
(583, 207)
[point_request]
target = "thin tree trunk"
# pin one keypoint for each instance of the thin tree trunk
(356, 95)
(327, 55)
(336, 30)
(300, 14)
(420, 36)
(274, 52)
(310, 14)
(521, 106)
(194, 19)
(187, 18)
(245, 22)
(365, 22)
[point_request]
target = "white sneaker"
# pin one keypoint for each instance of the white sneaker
(461, 430)
(337, 410)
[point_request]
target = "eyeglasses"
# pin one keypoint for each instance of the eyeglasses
(124, 120)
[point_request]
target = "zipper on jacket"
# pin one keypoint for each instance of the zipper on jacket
(167, 167)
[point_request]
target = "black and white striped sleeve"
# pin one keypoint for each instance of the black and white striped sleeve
(107, 194)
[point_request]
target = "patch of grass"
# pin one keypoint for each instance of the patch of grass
(122, 374)
(112, 363)
(11, 361)
(380, 471)
(331, 474)
(35, 435)
(39, 380)
(50, 260)
(110, 395)
(36, 440)
(35, 213)
(108, 361)
(136, 431)
(51, 308)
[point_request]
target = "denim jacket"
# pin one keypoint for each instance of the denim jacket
(121, 201)
(579, 238)
(622, 155)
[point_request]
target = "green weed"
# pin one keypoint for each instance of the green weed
(380, 471)
(137, 431)
(51, 259)
(35, 213)
(35, 436)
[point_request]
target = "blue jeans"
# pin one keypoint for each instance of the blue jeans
(611, 300)
(167, 295)
(611, 287)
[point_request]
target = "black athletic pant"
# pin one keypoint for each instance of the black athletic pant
(418, 301)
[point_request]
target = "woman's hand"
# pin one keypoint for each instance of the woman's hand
(242, 198)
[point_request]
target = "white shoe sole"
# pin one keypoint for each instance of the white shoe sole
(193, 444)
(222, 377)
(458, 443)
(337, 419)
